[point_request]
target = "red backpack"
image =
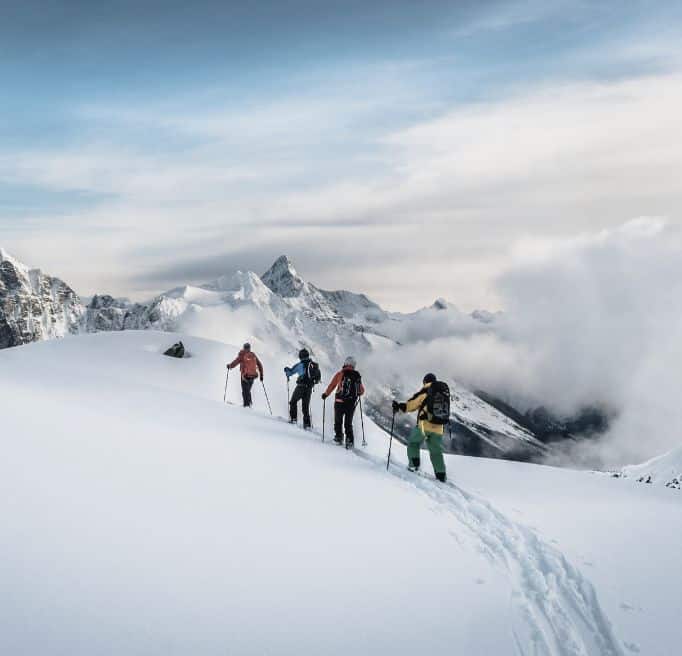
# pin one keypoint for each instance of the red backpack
(249, 364)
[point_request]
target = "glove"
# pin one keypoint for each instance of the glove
(261, 378)
(396, 406)
(287, 371)
(324, 396)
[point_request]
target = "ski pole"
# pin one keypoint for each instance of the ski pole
(266, 395)
(288, 400)
(390, 443)
(362, 423)
(324, 416)
(227, 377)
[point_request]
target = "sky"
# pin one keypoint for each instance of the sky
(399, 148)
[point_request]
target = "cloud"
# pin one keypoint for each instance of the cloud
(501, 16)
(601, 317)
(594, 319)
(459, 187)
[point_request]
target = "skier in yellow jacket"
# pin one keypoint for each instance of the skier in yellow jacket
(425, 429)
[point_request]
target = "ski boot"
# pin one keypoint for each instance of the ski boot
(413, 465)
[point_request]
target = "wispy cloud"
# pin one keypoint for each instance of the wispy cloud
(500, 16)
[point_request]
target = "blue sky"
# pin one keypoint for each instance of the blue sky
(382, 145)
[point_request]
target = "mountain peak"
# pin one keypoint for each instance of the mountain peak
(16, 264)
(4, 255)
(282, 278)
(283, 264)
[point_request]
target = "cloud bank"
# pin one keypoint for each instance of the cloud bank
(590, 320)
(600, 317)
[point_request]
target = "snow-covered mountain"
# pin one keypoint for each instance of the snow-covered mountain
(279, 312)
(34, 306)
(184, 525)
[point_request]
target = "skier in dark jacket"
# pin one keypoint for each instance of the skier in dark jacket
(251, 368)
(304, 387)
(349, 388)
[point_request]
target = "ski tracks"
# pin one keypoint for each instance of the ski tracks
(556, 611)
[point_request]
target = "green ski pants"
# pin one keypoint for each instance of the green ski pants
(435, 443)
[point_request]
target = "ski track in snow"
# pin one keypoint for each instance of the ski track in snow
(555, 605)
(555, 608)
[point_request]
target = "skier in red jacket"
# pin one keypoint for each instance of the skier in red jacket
(349, 388)
(251, 368)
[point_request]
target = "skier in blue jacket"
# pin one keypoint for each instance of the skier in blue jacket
(308, 376)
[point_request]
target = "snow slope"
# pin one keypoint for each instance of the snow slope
(142, 515)
(622, 535)
(663, 470)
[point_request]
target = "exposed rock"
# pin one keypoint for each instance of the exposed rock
(282, 278)
(34, 306)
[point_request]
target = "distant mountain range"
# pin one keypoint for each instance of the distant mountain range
(281, 311)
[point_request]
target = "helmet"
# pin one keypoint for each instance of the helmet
(349, 362)
(303, 354)
(247, 346)
(429, 378)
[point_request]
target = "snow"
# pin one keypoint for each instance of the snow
(479, 416)
(142, 515)
(623, 536)
(191, 294)
(6, 257)
(662, 470)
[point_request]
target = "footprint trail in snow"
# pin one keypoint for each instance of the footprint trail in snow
(556, 609)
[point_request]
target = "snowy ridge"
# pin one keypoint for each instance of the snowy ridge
(663, 470)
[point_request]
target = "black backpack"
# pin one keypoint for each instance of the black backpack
(437, 403)
(313, 373)
(349, 390)
(176, 351)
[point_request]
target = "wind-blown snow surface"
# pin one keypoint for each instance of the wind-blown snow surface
(142, 515)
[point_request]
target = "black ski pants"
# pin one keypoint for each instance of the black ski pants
(301, 393)
(247, 384)
(343, 420)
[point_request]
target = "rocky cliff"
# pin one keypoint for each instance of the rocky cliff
(33, 305)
